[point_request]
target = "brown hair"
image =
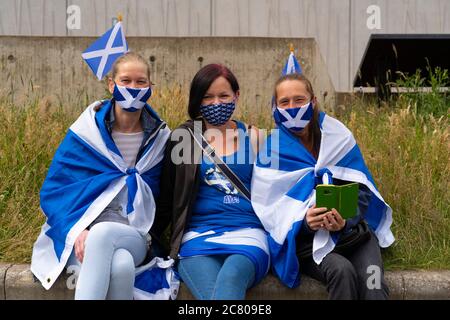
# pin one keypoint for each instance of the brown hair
(310, 135)
(127, 57)
(203, 80)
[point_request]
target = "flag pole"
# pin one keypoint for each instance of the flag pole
(119, 17)
(291, 47)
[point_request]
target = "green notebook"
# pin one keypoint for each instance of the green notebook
(343, 198)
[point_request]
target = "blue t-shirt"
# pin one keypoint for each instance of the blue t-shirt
(218, 203)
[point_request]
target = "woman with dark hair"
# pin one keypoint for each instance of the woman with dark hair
(215, 234)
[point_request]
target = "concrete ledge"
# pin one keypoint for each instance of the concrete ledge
(18, 283)
(3, 269)
(272, 289)
(432, 285)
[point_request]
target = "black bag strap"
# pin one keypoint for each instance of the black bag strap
(222, 166)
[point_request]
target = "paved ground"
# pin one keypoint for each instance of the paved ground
(17, 282)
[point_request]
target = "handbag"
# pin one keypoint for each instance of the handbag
(222, 166)
(357, 235)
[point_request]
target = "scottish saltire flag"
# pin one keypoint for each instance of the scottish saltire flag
(156, 281)
(294, 119)
(250, 242)
(292, 65)
(86, 174)
(131, 99)
(284, 188)
(101, 55)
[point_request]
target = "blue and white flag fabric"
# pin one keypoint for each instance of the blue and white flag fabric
(295, 119)
(86, 174)
(101, 55)
(250, 242)
(292, 65)
(283, 188)
(156, 281)
(131, 99)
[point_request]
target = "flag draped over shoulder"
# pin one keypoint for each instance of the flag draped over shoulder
(101, 54)
(283, 188)
(86, 174)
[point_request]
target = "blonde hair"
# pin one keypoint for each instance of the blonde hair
(128, 57)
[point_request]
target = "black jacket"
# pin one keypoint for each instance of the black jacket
(178, 187)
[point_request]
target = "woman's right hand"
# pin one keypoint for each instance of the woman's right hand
(79, 245)
(314, 217)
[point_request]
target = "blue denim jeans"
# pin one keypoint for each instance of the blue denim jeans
(112, 251)
(217, 277)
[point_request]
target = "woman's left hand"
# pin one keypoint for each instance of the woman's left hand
(333, 221)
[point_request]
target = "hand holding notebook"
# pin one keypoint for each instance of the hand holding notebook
(343, 198)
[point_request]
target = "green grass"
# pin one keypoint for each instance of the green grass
(407, 152)
(408, 156)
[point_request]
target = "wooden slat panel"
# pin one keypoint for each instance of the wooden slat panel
(33, 17)
(145, 17)
(328, 22)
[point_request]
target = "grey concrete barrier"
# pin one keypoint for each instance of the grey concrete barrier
(432, 285)
(57, 69)
(3, 269)
(20, 284)
(17, 282)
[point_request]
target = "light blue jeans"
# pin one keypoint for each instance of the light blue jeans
(112, 251)
(217, 277)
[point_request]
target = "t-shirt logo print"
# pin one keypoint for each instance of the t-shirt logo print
(215, 178)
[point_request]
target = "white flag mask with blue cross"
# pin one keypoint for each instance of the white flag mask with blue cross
(101, 55)
(131, 99)
(295, 119)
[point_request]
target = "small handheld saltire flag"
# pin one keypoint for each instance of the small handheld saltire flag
(101, 55)
(292, 65)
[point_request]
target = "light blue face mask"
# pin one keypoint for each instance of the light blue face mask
(294, 119)
(217, 114)
(131, 99)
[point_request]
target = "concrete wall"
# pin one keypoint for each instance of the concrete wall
(17, 282)
(339, 26)
(53, 65)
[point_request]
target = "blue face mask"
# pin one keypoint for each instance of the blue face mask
(217, 114)
(131, 99)
(294, 119)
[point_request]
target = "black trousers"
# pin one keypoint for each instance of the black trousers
(358, 274)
